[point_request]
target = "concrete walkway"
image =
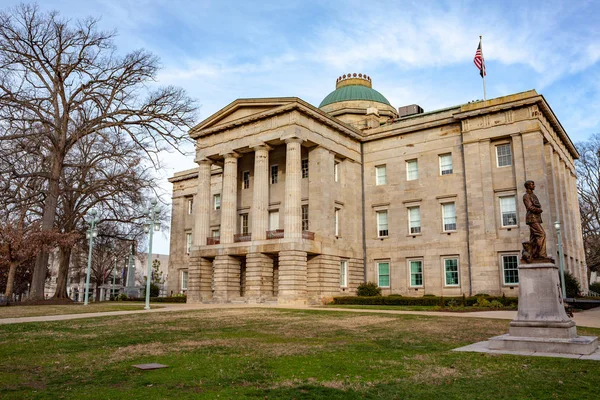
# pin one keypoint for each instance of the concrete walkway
(589, 318)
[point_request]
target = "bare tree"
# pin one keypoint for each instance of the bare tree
(588, 187)
(62, 81)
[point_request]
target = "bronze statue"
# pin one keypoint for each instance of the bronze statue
(535, 249)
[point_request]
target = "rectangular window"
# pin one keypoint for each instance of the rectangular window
(217, 201)
(184, 279)
(273, 220)
(383, 274)
(503, 155)
(510, 271)
(451, 271)
(344, 273)
(244, 224)
(337, 222)
(274, 174)
(305, 217)
(449, 216)
(416, 272)
(336, 168)
(190, 206)
(246, 179)
(188, 243)
(414, 220)
(380, 175)
(445, 164)
(305, 168)
(382, 223)
(216, 233)
(412, 170)
(508, 210)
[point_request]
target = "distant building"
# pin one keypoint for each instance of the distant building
(294, 203)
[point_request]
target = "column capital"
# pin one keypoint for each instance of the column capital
(230, 154)
(203, 161)
(261, 146)
(291, 139)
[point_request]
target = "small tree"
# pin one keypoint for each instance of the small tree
(368, 289)
(572, 285)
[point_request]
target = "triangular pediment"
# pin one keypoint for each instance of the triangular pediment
(241, 109)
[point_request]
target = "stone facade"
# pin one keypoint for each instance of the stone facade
(293, 204)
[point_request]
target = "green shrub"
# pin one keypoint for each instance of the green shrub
(482, 302)
(122, 297)
(572, 285)
(426, 301)
(595, 287)
(496, 304)
(368, 289)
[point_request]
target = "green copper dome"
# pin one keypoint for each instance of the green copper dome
(354, 92)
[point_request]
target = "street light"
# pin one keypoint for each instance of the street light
(561, 260)
(91, 233)
(150, 225)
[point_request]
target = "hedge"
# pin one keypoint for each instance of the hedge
(397, 300)
(170, 299)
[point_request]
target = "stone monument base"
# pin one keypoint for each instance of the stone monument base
(542, 325)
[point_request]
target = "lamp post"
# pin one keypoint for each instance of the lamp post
(150, 225)
(91, 233)
(112, 292)
(561, 260)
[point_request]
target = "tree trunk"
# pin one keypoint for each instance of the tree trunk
(40, 271)
(63, 272)
(10, 281)
(97, 296)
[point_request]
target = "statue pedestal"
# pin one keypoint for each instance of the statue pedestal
(542, 325)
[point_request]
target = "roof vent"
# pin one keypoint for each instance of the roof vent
(409, 110)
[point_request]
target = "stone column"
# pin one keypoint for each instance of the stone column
(205, 286)
(259, 277)
(202, 204)
(292, 277)
(194, 278)
(229, 198)
(260, 195)
(226, 278)
(292, 222)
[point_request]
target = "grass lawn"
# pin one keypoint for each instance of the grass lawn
(416, 308)
(15, 311)
(277, 354)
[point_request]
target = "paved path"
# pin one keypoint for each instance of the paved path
(589, 318)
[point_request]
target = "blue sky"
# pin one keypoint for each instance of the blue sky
(415, 51)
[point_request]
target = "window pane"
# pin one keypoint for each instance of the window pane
(446, 164)
(449, 215)
(305, 168)
(384, 274)
(343, 273)
(416, 273)
(504, 155)
(412, 170)
(414, 215)
(304, 217)
(217, 201)
(451, 270)
(508, 209)
(380, 175)
(510, 264)
(274, 174)
(382, 223)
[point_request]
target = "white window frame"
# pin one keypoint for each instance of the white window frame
(380, 231)
(344, 273)
(444, 170)
(274, 172)
(504, 156)
(184, 282)
(337, 221)
(504, 270)
(216, 233)
(304, 211)
(389, 274)
(244, 224)
(380, 175)
(217, 201)
(412, 174)
(336, 171)
(273, 220)
(410, 272)
(190, 204)
(246, 180)
(508, 212)
(414, 230)
(444, 217)
(188, 242)
(444, 259)
(304, 165)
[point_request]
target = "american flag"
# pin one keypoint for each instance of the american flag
(478, 60)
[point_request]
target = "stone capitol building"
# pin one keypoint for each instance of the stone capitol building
(293, 203)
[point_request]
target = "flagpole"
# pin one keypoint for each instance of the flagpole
(483, 59)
